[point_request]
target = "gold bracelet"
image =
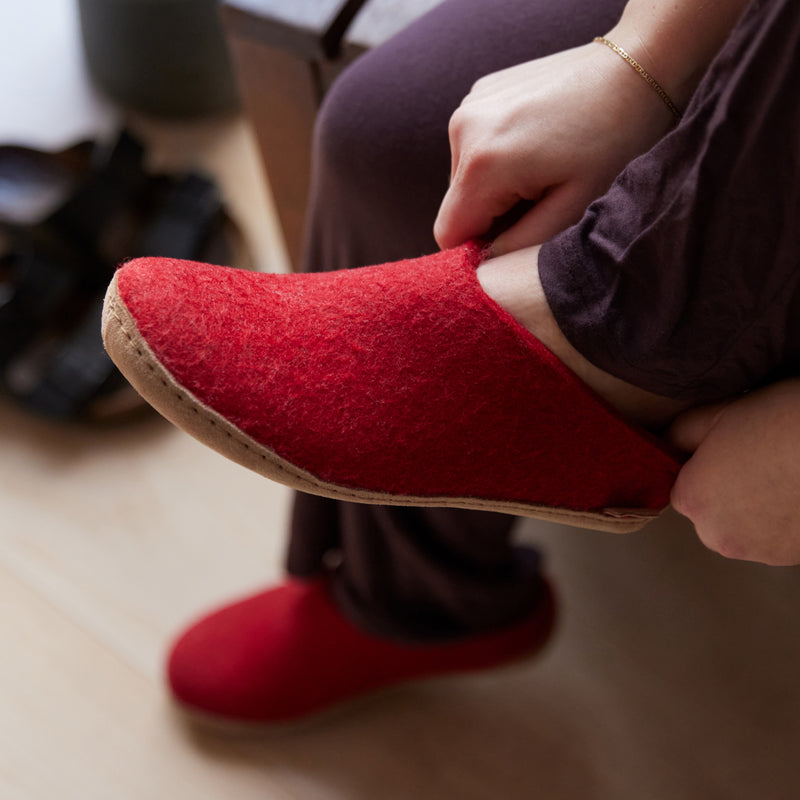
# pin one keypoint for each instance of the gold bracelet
(644, 73)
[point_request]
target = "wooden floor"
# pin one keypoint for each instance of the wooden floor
(674, 675)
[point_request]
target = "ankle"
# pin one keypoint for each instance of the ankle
(512, 281)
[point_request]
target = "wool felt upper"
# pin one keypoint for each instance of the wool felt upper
(288, 652)
(403, 378)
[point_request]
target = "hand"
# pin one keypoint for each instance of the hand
(741, 488)
(555, 131)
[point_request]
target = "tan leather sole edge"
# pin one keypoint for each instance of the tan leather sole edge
(131, 353)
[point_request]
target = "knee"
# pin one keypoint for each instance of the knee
(337, 132)
(377, 119)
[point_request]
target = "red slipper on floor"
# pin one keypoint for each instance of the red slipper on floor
(287, 654)
(401, 384)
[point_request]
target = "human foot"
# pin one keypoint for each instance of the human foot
(288, 653)
(512, 281)
(402, 384)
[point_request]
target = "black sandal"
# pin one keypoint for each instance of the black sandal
(53, 279)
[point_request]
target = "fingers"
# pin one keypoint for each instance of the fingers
(484, 173)
(557, 210)
(560, 207)
(468, 210)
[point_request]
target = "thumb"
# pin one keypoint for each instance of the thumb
(689, 430)
(468, 211)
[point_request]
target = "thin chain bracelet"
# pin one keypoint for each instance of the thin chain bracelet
(654, 84)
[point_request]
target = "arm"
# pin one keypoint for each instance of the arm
(741, 488)
(556, 131)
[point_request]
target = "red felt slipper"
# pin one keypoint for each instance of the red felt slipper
(402, 384)
(288, 653)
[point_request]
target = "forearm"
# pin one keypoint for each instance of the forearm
(675, 40)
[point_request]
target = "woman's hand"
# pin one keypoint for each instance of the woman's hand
(555, 131)
(741, 488)
(558, 130)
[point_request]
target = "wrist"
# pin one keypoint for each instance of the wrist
(675, 43)
(643, 74)
(677, 76)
